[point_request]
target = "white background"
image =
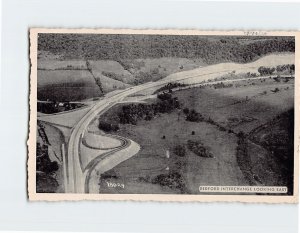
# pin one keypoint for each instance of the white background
(16, 213)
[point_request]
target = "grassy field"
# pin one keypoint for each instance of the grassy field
(71, 80)
(153, 160)
(243, 107)
(75, 80)
(118, 61)
(54, 64)
(153, 69)
(66, 85)
(277, 141)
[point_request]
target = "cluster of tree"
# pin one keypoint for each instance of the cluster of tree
(251, 75)
(164, 96)
(45, 170)
(199, 149)
(108, 127)
(173, 180)
(211, 49)
(179, 150)
(42, 133)
(275, 90)
(144, 76)
(243, 158)
(170, 86)
(43, 162)
(222, 85)
(266, 70)
(112, 75)
(130, 114)
(192, 115)
(288, 68)
(280, 69)
(55, 107)
(220, 127)
(130, 64)
(46, 183)
(97, 79)
(242, 144)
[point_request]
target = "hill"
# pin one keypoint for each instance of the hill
(212, 71)
(212, 49)
(56, 75)
(118, 61)
(200, 142)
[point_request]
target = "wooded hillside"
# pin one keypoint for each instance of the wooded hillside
(212, 49)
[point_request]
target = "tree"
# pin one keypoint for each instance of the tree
(194, 116)
(179, 150)
(186, 111)
(241, 135)
(266, 70)
(107, 127)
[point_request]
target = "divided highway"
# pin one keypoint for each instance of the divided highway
(77, 178)
(75, 175)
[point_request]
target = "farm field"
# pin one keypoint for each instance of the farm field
(71, 80)
(241, 108)
(66, 80)
(66, 85)
(56, 64)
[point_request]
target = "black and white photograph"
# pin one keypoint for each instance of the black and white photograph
(162, 114)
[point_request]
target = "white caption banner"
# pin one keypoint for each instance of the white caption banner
(243, 189)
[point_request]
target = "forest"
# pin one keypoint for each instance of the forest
(212, 49)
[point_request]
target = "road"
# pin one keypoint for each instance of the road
(77, 178)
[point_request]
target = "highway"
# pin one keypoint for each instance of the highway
(77, 179)
(75, 176)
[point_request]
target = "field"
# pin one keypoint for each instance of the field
(153, 69)
(209, 73)
(117, 61)
(152, 160)
(57, 64)
(66, 85)
(70, 80)
(243, 107)
(277, 141)
(79, 79)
